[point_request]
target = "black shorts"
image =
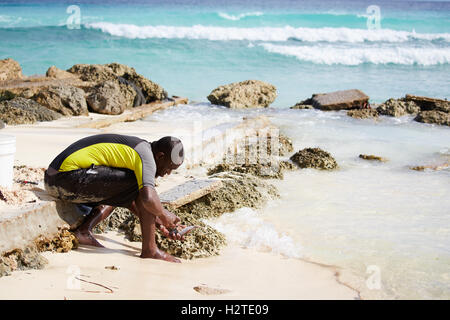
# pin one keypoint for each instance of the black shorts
(94, 186)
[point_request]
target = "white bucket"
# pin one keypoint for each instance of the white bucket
(7, 151)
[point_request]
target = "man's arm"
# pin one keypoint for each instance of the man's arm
(150, 202)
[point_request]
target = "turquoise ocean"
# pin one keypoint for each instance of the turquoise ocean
(385, 226)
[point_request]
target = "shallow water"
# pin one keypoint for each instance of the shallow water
(366, 214)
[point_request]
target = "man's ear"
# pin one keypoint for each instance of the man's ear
(160, 155)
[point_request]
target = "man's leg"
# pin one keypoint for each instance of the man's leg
(84, 231)
(148, 228)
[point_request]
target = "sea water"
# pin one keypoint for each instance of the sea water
(366, 216)
(382, 222)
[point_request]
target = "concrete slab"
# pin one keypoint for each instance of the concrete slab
(338, 100)
(189, 191)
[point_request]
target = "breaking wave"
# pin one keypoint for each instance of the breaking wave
(264, 33)
(245, 228)
(327, 54)
(239, 16)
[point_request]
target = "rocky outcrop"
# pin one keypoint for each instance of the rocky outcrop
(21, 259)
(111, 72)
(25, 111)
(238, 190)
(363, 113)
(398, 107)
(54, 72)
(427, 104)
(434, 116)
(107, 98)
(64, 99)
(251, 159)
(338, 100)
(314, 158)
(10, 70)
(245, 94)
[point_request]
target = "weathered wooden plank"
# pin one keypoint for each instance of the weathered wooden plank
(134, 114)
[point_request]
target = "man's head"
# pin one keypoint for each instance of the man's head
(168, 153)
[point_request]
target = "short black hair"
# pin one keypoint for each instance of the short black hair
(170, 146)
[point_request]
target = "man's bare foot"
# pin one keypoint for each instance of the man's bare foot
(86, 238)
(159, 254)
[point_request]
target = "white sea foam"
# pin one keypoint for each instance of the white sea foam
(328, 54)
(246, 228)
(239, 16)
(264, 33)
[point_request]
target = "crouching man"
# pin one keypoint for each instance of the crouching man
(101, 172)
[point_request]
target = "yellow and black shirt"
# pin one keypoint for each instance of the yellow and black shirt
(111, 150)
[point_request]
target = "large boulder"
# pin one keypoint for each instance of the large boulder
(245, 94)
(64, 99)
(25, 111)
(113, 72)
(338, 100)
(398, 107)
(106, 98)
(314, 158)
(10, 70)
(434, 116)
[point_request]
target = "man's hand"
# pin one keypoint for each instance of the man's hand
(169, 220)
(172, 235)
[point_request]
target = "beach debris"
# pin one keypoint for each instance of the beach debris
(431, 167)
(205, 290)
(337, 100)
(112, 268)
(64, 99)
(21, 193)
(96, 284)
(372, 157)
(25, 111)
(363, 113)
(63, 241)
(10, 70)
(244, 94)
(21, 259)
(314, 158)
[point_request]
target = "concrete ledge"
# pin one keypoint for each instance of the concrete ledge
(20, 228)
